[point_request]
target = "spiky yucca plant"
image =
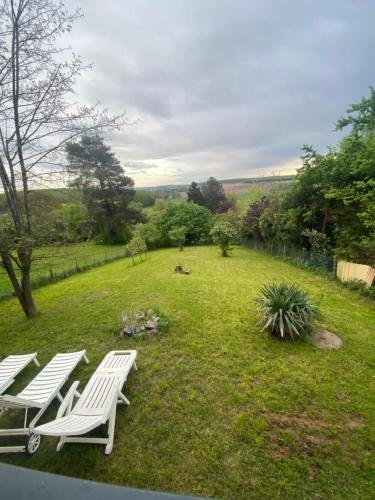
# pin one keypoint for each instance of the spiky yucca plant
(287, 311)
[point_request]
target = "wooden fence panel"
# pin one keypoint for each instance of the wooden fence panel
(347, 271)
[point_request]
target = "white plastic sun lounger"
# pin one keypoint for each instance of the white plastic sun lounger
(95, 406)
(40, 392)
(11, 366)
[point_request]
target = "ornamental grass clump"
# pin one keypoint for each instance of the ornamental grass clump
(287, 311)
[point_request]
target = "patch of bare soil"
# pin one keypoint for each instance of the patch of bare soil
(287, 432)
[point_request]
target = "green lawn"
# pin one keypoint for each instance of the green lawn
(218, 408)
(63, 258)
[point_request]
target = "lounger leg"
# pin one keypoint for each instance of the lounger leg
(123, 399)
(59, 397)
(60, 444)
(111, 430)
(135, 366)
(36, 362)
(86, 358)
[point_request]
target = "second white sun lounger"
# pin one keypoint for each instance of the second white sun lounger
(11, 366)
(40, 392)
(95, 406)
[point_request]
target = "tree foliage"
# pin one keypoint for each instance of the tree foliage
(194, 194)
(178, 236)
(213, 194)
(333, 194)
(223, 234)
(196, 219)
(251, 221)
(150, 233)
(137, 247)
(107, 192)
(145, 198)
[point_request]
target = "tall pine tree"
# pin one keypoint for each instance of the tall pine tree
(213, 194)
(194, 194)
(106, 191)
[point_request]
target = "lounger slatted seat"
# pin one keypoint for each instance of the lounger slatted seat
(39, 393)
(11, 366)
(95, 406)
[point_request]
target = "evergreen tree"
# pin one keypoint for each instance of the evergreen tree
(107, 192)
(213, 194)
(194, 194)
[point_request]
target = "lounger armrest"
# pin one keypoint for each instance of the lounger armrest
(67, 402)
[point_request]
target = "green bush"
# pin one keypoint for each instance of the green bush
(149, 233)
(223, 234)
(137, 246)
(360, 287)
(178, 236)
(196, 219)
(287, 311)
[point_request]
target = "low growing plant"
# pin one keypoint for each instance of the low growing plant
(286, 311)
(360, 287)
(138, 322)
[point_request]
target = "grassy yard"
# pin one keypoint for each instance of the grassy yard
(218, 408)
(62, 258)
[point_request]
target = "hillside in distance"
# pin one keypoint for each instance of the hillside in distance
(234, 181)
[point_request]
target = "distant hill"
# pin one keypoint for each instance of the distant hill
(240, 180)
(52, 198)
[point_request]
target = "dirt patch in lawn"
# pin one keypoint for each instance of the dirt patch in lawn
(303, 434)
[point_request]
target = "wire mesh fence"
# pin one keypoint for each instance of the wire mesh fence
(320, 262)
(49, 266)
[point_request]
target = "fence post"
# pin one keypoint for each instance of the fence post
(284, 251)
(75, 258)
(51, 272)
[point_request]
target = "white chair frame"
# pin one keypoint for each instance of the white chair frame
(46, 387)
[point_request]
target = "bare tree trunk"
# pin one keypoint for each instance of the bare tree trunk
(23, 291)
(29, 307)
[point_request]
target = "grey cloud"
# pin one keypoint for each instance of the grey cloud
(237, 84)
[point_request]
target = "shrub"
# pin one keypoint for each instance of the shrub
(149, 233)
(178, 236)
(137, 246)
(223, 234)
(360, 287)
(287, 311)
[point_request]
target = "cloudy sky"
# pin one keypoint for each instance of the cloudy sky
(230, 88)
